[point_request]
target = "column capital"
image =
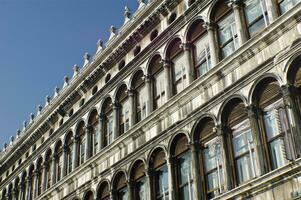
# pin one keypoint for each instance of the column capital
(148, 77)
(210, 25)
(252, 110)
(166, 63)
(185, 46)
(286, 90)
(235, 3)
(65, 148)
(115, 105)
(89, 128)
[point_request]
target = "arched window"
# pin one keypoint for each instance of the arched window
(40, 176)
(175, 55)
(89, 196)
(123, 109)
(120, 187)
(23, 186)
(17, 188)
(183, 167)
(274, 122)
(159, 177)
(138, 84)
(69, 152)
(107, 114)
(104, 191)
(48, 163)
(81, 143)
(256, 15)
(241, 143)
(93, 124)
(198, 38)
(286, 5)
(58, 161)
(139, 181)
(227, 33)
(30, 180)
(10, 192)
(158, 81)
(294, 79)
(3, 194)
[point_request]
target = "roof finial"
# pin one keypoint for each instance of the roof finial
(100, 46)
(113, 32)
(12, 138)
(24, 125)
(66, 81)
(86, 58)
(40, 109)
(127, 14)
(31, 117)
(48, 98)
(18, 133)
(75, 70)
(56, 91)
(4, 146)
(141, 3)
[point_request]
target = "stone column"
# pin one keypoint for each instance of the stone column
(148, 176)
(171, 178)
(213, 44)
(101, 131)
(75, 152)
(294, 135)
(132, 107)
(115, 121)
(36, 185)
(54, 159)
(189, 68)
(22, 191)
(15, 194)
(112, 195)
(149, 89)
(130, 189)
(197, 189)
(45, 168)
(168, 79)
(221, 134)
(237, 6)
(272, 10)
(261, 161)
(89, 142)
(29, 197)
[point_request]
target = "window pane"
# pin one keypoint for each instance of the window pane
(277, 153)
(270, 122)
(185, 177)
(287, 5)
(202, 55)
(162, 182)
(141, 190)
(179, 73)
(159, 89)
(227, 29)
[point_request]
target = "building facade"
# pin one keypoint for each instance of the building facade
(188, 100)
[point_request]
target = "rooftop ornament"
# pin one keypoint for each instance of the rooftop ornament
(40, 109)
(127, 14)
(86, 59)
(31, 117)
(18, 133)
(24, 125)
(56, 91)
(66, 81)
(12, 138)
(112, 32)
(48, 99)
(141, 4)
(75, 70)
(100, 46)
(4, 146)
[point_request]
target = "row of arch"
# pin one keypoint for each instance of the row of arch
(265, 134)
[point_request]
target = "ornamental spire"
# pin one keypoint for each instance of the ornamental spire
(127, 14)
(56, 91)
(75, 70)
(112, 32)
(66, 81)
(86, 59)
(141, 3)
(100, 46)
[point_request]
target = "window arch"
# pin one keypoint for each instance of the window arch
(240, 141)
(94, 128)
(139, 181)
(107, 117)
(39, 176)
(120, 186)
(140, 94)
(69, 152)
(158, 81)
(273, 122)
(48, 168)
(122, 99)
(223, 16)
(211, 158)
(103, 191)
(89, 196)
(58, 159)
(198, 37)
(294, 79)
(175, 55)
(81, 143)
(159, 173)
(183, 167)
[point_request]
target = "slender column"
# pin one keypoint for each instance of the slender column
(54, 158)
(132, 107)
(189, 69)
(294, 136)
(261, 162)
(272, 9)
(112, 194)
(89, 143)
(75, 151)
(115, 121)
(237, 6)
(45, 166)
(197, 191)
(148, 175)
(36, 185)
(171, 178)
(15, 193)
(130, 189)
(221, 134)
(149, 103)
(29, 188)
(213, 44)
(101, 131)
(22, 189)
(168, 79)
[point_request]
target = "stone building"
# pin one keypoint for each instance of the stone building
(187, 100)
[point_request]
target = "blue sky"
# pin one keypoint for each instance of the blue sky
(40, 41)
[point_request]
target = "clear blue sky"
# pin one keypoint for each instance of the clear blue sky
(40, 41)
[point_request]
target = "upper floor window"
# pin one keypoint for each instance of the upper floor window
(39, 176)
(104, 192)
(94, 129)
(81, 143)
(140, 93)
(107, 115)
(124, 109)
(153, 35)
(69, 152)
(48, 168)
(158, 81)
(58, 161)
